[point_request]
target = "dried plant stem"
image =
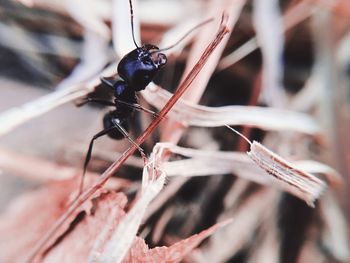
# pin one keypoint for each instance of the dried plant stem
(16, 116)
(41, 245)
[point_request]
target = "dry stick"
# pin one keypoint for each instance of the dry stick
(40, 246)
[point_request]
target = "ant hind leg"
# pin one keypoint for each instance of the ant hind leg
(108, 82)
(126, 135)
(88, 156)
(137, 107)
(105, 131)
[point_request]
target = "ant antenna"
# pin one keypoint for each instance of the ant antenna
(184, 36)
(132, 23)
(240, 134)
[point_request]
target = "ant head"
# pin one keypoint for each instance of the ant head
(139, 67)
(152, 51)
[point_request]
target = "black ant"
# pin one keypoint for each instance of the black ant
(136, 70)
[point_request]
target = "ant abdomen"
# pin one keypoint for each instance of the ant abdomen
(109, 121)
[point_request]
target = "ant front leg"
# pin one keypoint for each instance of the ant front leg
(109, 83)
(136, 107)
(98, 101)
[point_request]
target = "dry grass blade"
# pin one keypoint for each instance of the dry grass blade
(203, 116)
(302, 184)
(280, 174)
(16, 116)
(268, 24)
(203, 163)
(88, 15)
(93, 59)
(116, 165)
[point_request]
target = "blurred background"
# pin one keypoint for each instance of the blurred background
(47, 47)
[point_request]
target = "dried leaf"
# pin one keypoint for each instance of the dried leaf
(152, 183)
(31, 215)
(92, 232)
(140, 252)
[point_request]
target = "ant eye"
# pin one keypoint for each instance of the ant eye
(161, 59)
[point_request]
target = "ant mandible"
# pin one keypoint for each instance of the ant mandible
(136, 70)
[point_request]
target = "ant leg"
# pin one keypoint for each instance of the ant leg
(99, 101)
(137, 107)
(107, 82)
(126, 135)
(88, 156)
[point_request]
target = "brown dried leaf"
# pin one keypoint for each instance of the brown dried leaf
(87, 237)
(124, 234)
(30, 216)
(90, 234)
(140, 253)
